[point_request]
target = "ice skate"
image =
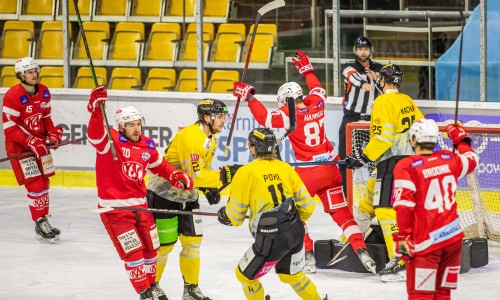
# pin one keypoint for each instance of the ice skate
(193, 292)
(54, 230)
(310, 266)
(158, 292)
(367, 261)
(394, 271)
(43, 231)
(146, 295)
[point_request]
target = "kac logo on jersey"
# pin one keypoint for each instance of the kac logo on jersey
(145, 156)
(24, 99)
(123, 139)
(151, 144)
(445, 156)
(133, 170)
(417, 163)
(46, 94)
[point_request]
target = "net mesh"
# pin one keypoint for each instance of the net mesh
(481, 186)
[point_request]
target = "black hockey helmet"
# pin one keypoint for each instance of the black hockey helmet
(211, 107)
(263, 139)
(392, 74)
(362, 41)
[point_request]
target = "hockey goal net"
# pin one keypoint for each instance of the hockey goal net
(478, 195)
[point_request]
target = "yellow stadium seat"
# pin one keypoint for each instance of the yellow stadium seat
(112, 7)
(8, 77)
(8, 6)
(97, 34)
(160, 80)
(229, 42)
(265, 38)
(38, 7)
(161, 44)
(125, 79)
(51, 40)
(127, 41)
(188, 50)
(83, 7)
(188, 81)
(147, 8)
(216, 8)
(222, 81)
(176, 8)
(17, 37)
(52, 77)
(84, 79)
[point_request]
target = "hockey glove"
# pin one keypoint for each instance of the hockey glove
(403, 246)
(227, 173)
(212, 194)
(37, 146)
(243, 91)
(222, 217)
(180, 180)
(302, 63)
(356, 160)
(55, 135)
(98, 95)
(457, 134)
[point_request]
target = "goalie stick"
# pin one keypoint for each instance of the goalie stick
(336, 258)
(91, 65)
(48, 146)
(156, 210)
(263, 10)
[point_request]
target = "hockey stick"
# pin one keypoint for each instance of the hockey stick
(49, 147)
(336, 258)
(319, 163)
(157, 210)
(106, 124)
(459, 67)
(263, 10)
(292, 116)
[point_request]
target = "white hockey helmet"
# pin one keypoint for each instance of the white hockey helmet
(424, 130)
(289, 89)
(24, 64)
(127, 114)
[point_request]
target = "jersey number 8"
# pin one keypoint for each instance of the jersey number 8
(312, 133)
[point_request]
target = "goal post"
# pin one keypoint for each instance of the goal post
(477, 196)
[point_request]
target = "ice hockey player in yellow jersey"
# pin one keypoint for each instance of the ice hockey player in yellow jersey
(392, 115)
(278, 202)
(191, 150)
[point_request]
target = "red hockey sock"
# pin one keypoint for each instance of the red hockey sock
(134, 265)
(344, 218)
(38, 199)
(308, 242)
(150, 265)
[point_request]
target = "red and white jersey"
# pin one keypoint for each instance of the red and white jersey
(24, 115)
(424, 196)
(121, 183)
(309, 140)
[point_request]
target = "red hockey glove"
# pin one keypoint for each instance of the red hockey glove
(99, 94)
(302, 63)
(243, 90)
(356, 160)
(55, 135)
(457, 134)
(222, 217)
(37, 146)
(227, 173)
(403, 246)
(180, 180)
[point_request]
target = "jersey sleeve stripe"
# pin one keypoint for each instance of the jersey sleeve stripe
(187, 161)
(384, 139)
(46, 116)
(407, 184)
(306, 204)
(286, 119)
(240, 205)
(388, 132)
(194, 175)
(95, 142)
(404, 203)
(11, 111)
(387, 125)
(269, 122)
(465, 166)
(9, 124)
(238, 217)
(156, 163)
(105, 150)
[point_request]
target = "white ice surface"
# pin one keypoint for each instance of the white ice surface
(83, 264)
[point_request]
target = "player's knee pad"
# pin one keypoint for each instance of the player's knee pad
(167, 230)
(251, 287)
(366, 205)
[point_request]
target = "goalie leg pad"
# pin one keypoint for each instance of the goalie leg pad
(382, 196)
(189, 258)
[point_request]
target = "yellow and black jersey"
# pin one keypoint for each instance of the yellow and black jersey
(392, 115)
(263, 185)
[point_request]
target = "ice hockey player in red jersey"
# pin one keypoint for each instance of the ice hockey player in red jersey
(27, 126)
(121, 184)
(430, 235)
(310, 144)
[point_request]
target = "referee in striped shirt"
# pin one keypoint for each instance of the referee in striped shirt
(361, 81)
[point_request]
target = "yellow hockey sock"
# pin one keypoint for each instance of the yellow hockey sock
(252, 288)
(161, 263)
(302, 285)
(189, 259)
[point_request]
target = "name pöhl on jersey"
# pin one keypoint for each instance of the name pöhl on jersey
(272, 177)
